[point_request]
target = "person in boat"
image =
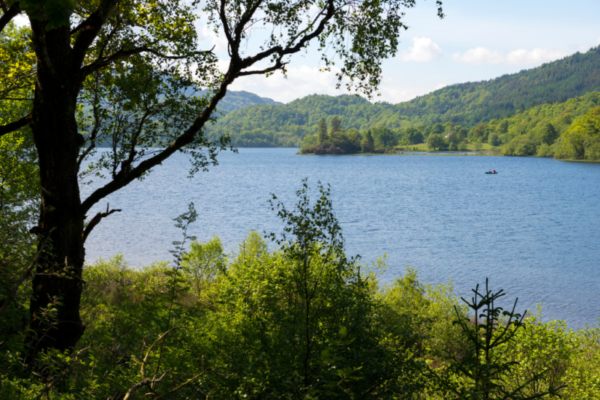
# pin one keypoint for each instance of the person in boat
(494, 171)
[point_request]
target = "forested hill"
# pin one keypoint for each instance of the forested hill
(466, 104)
(472, 103)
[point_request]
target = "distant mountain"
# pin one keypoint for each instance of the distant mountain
(237, 100)
(467, 104)
(471, 103)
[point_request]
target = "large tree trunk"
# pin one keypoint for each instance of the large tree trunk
(57, 284)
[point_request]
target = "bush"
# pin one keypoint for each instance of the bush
(494, 139)
(582, 139)
(436, 142)
(520, 146)
(301, 320)
(545, 151)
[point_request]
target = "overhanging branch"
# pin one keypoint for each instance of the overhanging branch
(235, 70)
(89, 29)
(96, 220)
(293, 48)
(9, 14)
(13, 126)
(278, 66)
(103, 62)
(187, 137)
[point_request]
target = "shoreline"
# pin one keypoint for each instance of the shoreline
(443, 154)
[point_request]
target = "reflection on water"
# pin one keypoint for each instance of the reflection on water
(533, 229)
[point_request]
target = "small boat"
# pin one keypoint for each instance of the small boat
(492, 173)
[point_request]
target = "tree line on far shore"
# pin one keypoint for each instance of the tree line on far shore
(569, 130)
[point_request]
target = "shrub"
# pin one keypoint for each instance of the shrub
(519, 146)
(545, 151)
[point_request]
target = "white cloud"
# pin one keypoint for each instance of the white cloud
(483, 56)
(392, 94)
(304, 80)
(480, 56)
(422, 50)
(301, 81)
(535, 56)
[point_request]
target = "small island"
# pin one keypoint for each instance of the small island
(383, 140)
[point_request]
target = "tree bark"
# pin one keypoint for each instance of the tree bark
(57, 283)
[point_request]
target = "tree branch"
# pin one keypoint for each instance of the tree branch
(281, 52)
(89, 29)
(235, 67)
(278, 65)
(147, 381)
(239, 29)
(9, 14)
(192, 379)
(103, 62)
(187, 137)
(95, 129)
(91, 147)
(13, 126)
(96, 220)
(225, 22)
(110, 35)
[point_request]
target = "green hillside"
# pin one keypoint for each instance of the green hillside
(466, 104)
(470, 103)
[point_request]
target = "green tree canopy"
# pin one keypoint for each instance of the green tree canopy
(368, 143)
(322, 131)
(582, 140)
(549, 134)
(435, 142)
(413, 135)
(384, 137)
(335, 125)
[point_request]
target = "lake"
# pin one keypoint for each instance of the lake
(533, 229)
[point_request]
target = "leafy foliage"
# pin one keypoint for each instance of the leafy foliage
(339, 141)
(301, 320)
(582, 140)
(481, 373)
(19, 186)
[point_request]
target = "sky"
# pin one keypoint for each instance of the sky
(477, 40)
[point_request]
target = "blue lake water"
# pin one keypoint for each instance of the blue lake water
(533, 229)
